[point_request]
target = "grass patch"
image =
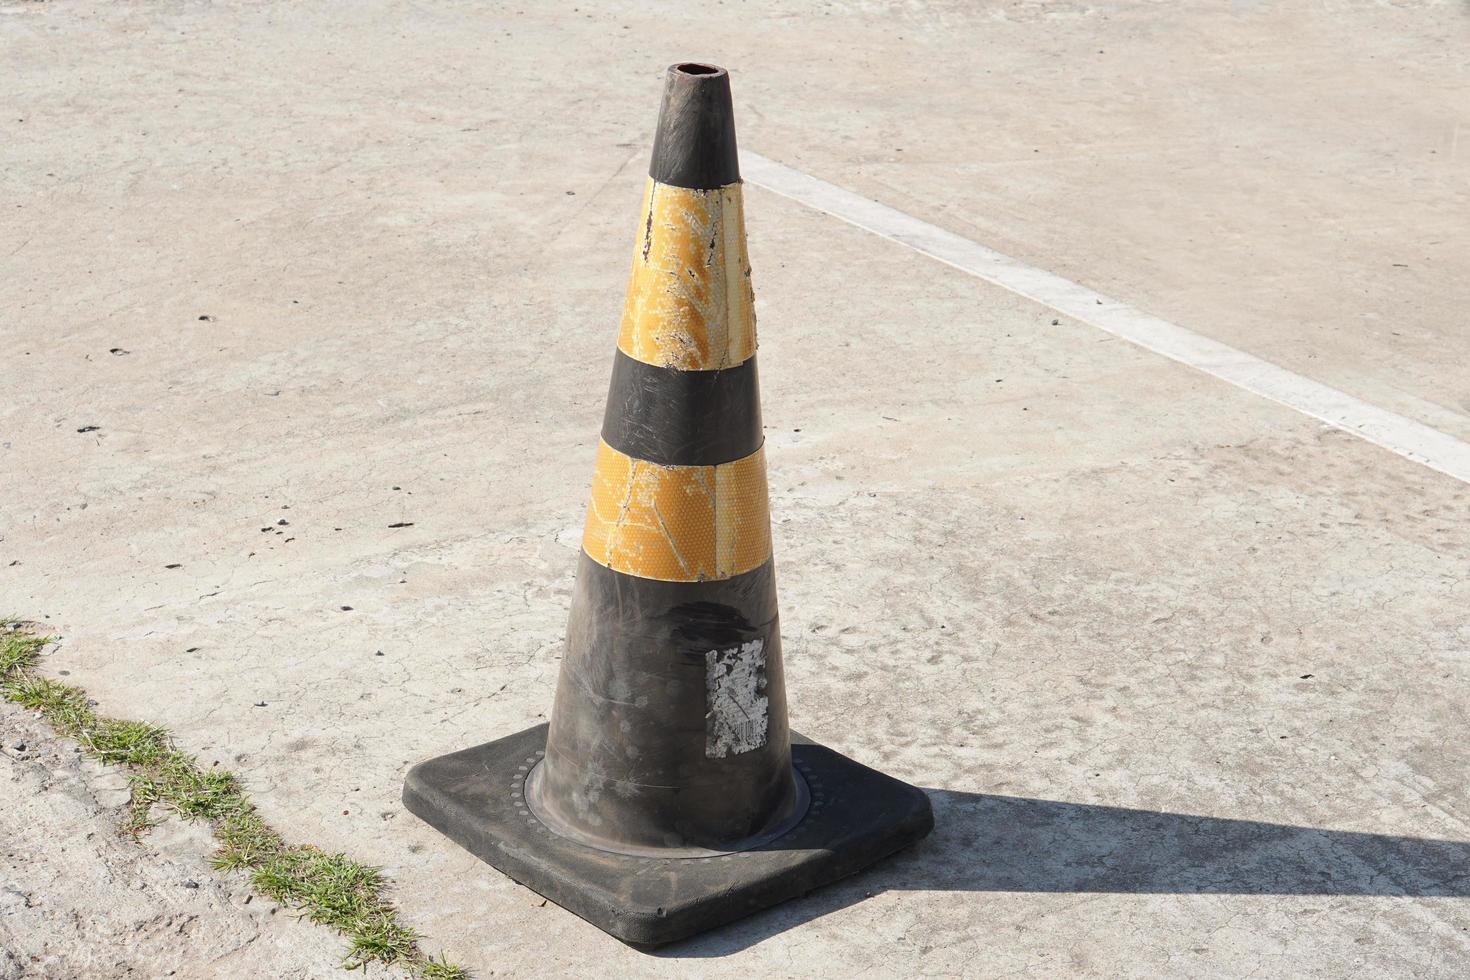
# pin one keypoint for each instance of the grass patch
(331, 889)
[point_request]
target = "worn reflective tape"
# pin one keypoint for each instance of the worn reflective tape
(690, 304)
(678, 523)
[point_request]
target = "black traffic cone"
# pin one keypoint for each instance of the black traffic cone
(668, 795)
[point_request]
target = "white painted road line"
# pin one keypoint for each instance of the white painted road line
(1413, 440)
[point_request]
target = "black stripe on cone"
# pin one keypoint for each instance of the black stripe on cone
(667, 795)
(682, 418)
(695, 142)
(634, 761)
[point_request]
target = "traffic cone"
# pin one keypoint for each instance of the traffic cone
(667, 795)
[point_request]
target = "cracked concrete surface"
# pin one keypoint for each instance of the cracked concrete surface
(1183, 670)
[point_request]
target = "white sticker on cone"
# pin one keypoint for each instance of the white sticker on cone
(735, 688)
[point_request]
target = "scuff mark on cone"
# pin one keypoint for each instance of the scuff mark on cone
(735, 684)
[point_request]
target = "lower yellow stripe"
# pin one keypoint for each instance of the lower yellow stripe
(678, 523)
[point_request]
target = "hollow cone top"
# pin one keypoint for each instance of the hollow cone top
(695, 143)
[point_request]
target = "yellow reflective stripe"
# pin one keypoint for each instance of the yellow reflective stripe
(678, 523)
(690, 304)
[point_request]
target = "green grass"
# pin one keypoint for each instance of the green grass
(331, 889)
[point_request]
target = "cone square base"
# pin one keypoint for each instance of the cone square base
(475, 798)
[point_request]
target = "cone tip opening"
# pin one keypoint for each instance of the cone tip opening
(696, 69)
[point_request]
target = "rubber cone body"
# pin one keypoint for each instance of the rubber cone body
(667, 794)
(669, 728)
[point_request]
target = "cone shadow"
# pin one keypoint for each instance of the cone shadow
(984, 843)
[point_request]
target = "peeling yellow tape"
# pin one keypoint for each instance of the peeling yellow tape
(690, 304)
(678, 523)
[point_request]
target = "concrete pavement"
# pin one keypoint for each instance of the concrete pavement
(1183, 668)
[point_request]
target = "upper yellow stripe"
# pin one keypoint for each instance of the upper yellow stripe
(690, 305)
(678, 523)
